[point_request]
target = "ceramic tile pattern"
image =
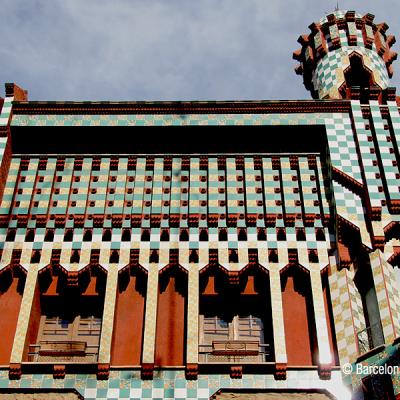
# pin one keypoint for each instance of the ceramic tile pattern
(387, 295)
(329, 74)
(142, 191)
(347, 311)
(171, 384)
(108, 315)
(155, 199)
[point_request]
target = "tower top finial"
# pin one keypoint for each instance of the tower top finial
(345, 49)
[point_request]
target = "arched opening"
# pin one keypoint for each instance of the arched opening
(129, 317)
(171, 317)
(235, 317)
(356, 74)
(298, 314)
(66, 316)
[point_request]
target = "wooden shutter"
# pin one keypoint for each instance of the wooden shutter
(215, 328)
(250, 328)
(55, 328)
(88, 330)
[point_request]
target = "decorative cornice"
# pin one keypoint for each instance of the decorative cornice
(190, 107)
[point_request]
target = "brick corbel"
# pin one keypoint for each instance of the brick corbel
(280, 371)
(15, 371)
(59, 371)
(147, 371)
(103, 371)
(233, 277)
(344, 255)
(192, 371)
(324, 371)
(379, 242)
(236, 372)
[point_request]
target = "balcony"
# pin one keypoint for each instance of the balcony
(234, 351)
(369, 338)
(63, 351)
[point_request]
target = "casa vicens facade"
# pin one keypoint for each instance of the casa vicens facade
(176, 250)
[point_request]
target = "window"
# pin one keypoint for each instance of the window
(250, 328)
(67, 338)
(56, 328)
(235, 319)
(240, 339)
(214, 328)
(246, 327)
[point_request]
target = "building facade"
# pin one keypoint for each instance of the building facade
(159, 250)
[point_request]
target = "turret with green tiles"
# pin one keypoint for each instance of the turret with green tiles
(345, 49)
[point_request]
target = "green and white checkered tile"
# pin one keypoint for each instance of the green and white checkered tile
(395, 118)
(6, 111)
(272, 190)
(329, 73)
(387, 294)
(368, 157)
(309, 190)
(253, 186)
(326, 190)
(170, 384)
(349, 206)
(169, 119)
(386, 151)
(340, 136)
(347, 311)
(8, 194)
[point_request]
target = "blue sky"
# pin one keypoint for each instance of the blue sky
(164, 49)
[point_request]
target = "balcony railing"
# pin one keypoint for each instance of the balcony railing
(369, 338)
(234, 351)
(63, 351)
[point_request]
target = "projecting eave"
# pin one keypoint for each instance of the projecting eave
(180, 107)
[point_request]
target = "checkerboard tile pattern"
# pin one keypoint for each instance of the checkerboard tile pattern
(395, 118)
(347, 311)
(171, 384)
(6, 111)
(368, 156)
(388, 297)
(350, 207)
(386, 151)
(168, 119)
(247, 192)
(329, 74)
(192, 190)
(340, 136)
